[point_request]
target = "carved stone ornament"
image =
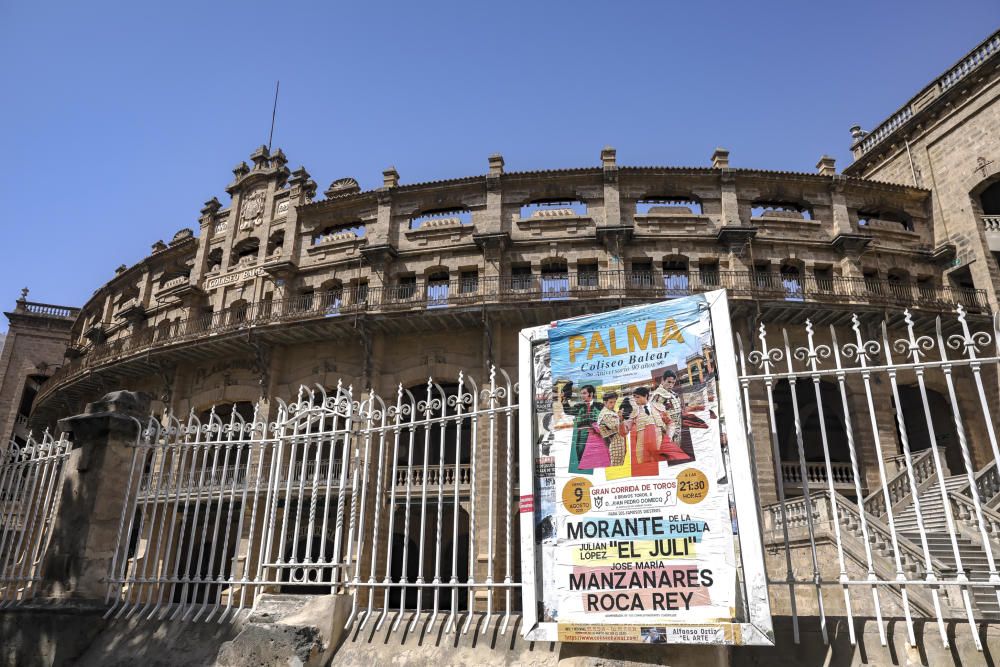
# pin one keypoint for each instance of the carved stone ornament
(253, 209)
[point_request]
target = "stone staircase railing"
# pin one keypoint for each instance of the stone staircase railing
(899, 485)
(987, 485)
(911, 555)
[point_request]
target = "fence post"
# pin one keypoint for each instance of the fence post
(84, 537)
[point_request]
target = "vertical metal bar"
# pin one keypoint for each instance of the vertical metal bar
(381, 416)
(193, 428)
(427, 407)
(220, 577)
(967, 460)
(218, 442)
(856, 476)
(508, 579)
(177, 469)
(206, 445)
(764, 358)
(805, 491)
(393, 484)
(344, 404)
(904, 440)
(362, 510)
(404, 578)
(262, 444)
(473, 495)
(916, 347)
(813, 353)
(440, 503)
(292, 438)
(459, 398)
(491, 503)
(40, 460)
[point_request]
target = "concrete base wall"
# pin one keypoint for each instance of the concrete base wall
(77, 635)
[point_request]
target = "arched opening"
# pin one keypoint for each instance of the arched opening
(245, 252)
(989, 199)
(408, 556)
(791, 280)
(553, 208)
(942, 418)
(664, 205)
(555, 278)
(456, 216)
(275, 242)
(788, 210)
(812, 435)
(215, 260)
(675, 275)
(201, 555)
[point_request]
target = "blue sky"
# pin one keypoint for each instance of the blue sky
(122, 119)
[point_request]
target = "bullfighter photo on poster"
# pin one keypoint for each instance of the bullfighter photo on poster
(638, 542)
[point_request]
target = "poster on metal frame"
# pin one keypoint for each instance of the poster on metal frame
(637, 481)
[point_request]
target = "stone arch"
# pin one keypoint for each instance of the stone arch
(833, 413)
(406, 556)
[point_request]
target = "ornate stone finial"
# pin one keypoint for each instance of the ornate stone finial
(826, 166)
(24, 294)
(121, 269)
(181, 235)
(496, 164)
(278, 159)
(608, 157)
(720, 159)
(241, 170)
(260, 158)
(342, 187)
(159, 245)
(857, 133)
(390, 178)
(213, 205)
(299, 176)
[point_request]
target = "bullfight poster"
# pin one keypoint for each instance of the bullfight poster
(633, 502)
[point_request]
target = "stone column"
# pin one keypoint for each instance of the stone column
(612, 205)
(85, 534)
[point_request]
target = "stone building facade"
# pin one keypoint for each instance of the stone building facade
(34, 348)
(282, 288)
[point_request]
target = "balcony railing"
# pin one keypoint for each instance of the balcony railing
(47, 309)
(818, 476)
(520, 289)
(966, 66)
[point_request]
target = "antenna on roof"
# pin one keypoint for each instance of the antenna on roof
(273, 112)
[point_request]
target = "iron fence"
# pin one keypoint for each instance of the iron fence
(406, 506)
(922, 542)
(30, 476)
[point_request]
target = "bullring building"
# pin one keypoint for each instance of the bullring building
(265, 336)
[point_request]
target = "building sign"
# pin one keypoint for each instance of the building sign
(637, 481)
(234, 278)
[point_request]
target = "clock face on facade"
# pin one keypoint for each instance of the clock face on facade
(253, 206)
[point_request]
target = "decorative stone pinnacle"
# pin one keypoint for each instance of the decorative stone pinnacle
(608, 157)
(826, 166)
(496, 164)
(857, 133)
(720, 159)
(390, 178)
(24, 294)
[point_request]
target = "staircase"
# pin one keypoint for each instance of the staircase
(939, 543)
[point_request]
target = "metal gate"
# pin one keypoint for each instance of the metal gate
(884, 453)
(30, 476)
(405, 504)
